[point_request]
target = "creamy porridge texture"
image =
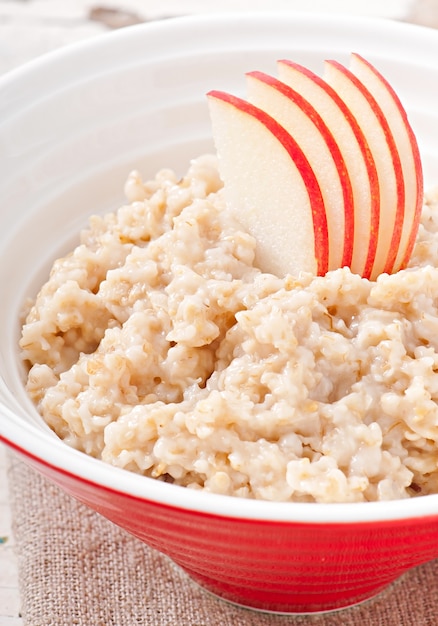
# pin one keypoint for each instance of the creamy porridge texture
(159, 347)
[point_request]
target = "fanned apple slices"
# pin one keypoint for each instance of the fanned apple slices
(324, 172)
(311, 132)
(357, 154)
(406, 144)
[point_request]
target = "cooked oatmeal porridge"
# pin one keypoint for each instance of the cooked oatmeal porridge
(159, 347)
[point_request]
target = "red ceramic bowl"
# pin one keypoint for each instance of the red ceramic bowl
(72, 125)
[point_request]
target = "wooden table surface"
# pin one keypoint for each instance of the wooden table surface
(29, 28)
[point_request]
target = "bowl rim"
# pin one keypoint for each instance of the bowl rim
(34, 443)
(61, 459)
(372, 24)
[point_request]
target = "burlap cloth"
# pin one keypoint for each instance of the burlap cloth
(76, 568)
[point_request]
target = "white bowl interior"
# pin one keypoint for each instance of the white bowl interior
(74, 123)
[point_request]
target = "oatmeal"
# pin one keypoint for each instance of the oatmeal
(158, 347)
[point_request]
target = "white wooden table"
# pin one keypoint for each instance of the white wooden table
(32, 27)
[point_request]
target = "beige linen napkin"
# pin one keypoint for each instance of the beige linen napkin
(78, 569)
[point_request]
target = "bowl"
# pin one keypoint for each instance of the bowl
(72, 125)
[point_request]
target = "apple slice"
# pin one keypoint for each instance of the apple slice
(310, 131)
(407, 147)
(370, 116)
(356, 153)
(270, 187)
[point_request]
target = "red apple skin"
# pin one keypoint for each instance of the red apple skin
(389, 265)
(367, 270)
(415, 155)
(297, 99)
(295, 153)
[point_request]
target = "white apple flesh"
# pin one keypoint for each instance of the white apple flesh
(309, 129)
(375, 126)
(270, 187)
(407, 147)
(356, 153)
